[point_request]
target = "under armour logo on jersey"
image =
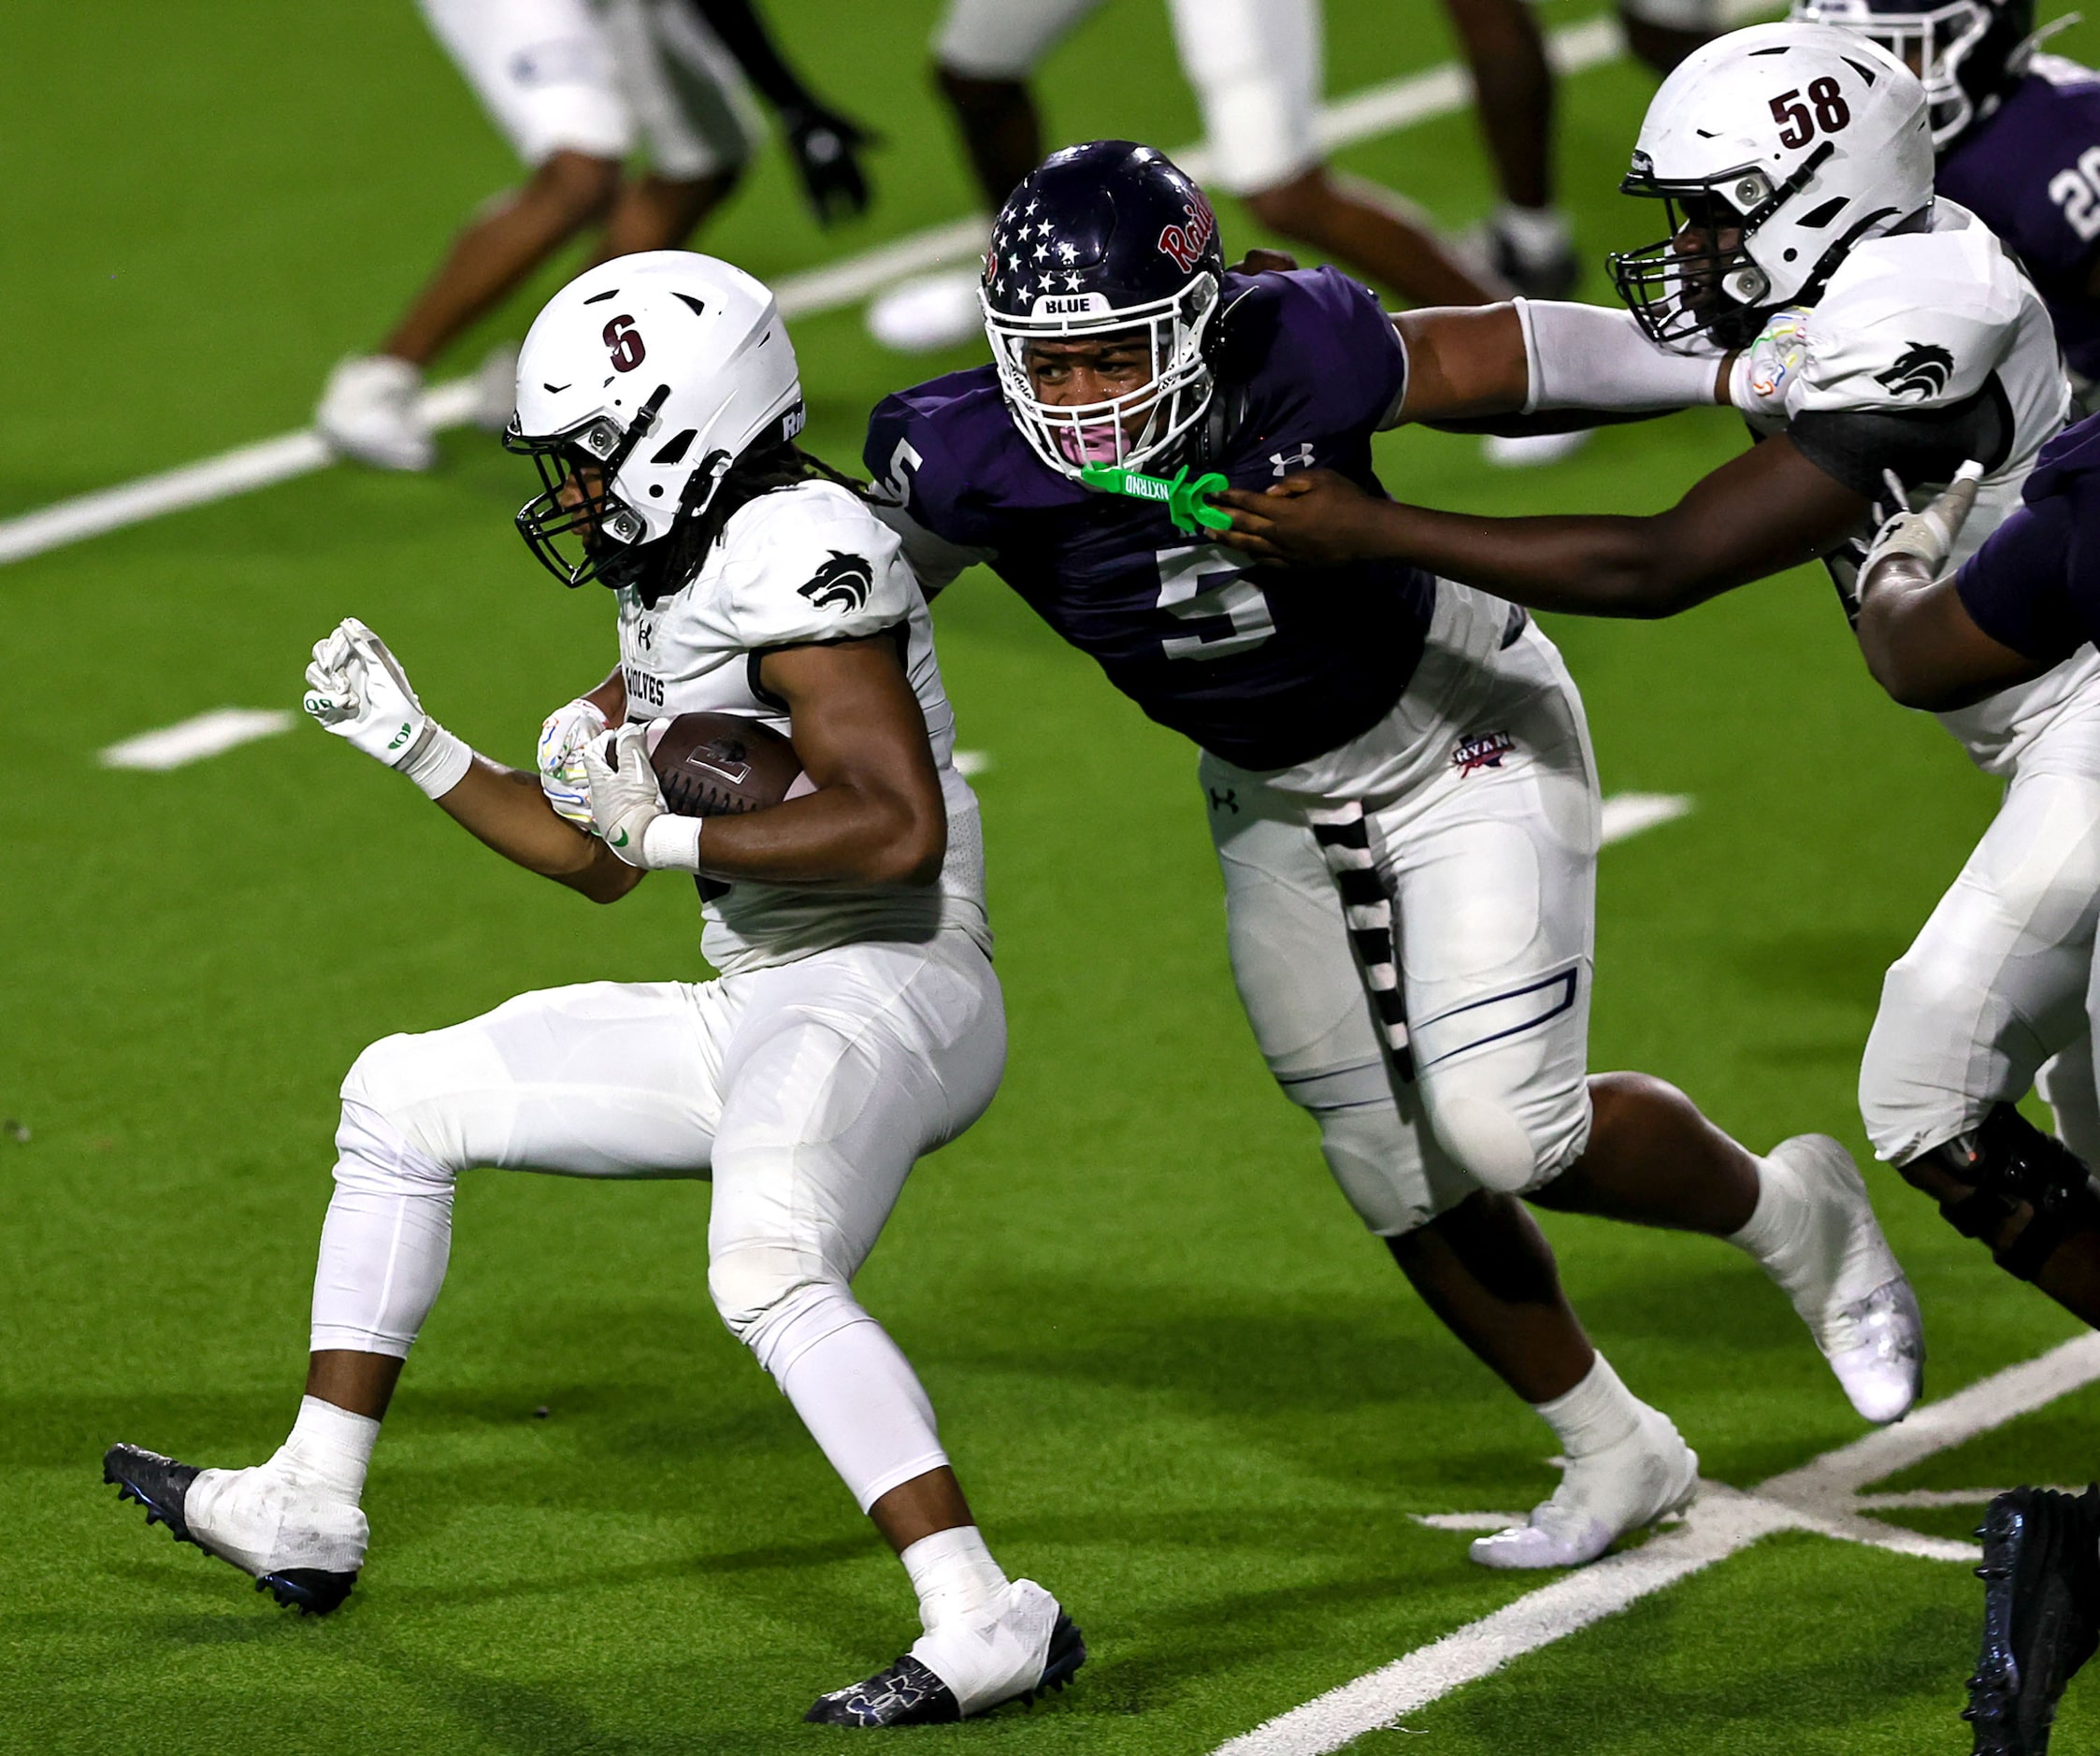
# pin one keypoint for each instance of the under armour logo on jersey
(1922, 370)
(841, 583)
(1300, 459)
(1227, 800)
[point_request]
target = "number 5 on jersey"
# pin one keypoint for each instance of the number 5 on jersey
(1198, 584)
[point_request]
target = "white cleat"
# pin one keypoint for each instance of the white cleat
(302, 1544)
(1847, 1285)
(371, 411)
(495, 388)
(968, 1665)
(928, 313)
(1648, 1475)
(1531, 451)
(267, 1520)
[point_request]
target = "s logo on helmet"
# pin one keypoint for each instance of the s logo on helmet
(1921, 370)
(1184, 243)
(624, 341)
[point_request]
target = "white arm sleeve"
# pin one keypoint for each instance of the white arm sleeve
(1591, 356)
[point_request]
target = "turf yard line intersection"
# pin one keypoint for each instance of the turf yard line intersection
(1398, 104)
(1821, 1496)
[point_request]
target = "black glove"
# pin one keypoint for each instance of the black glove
(826, 146)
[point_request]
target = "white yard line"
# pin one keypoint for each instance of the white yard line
(1626, 815)
(1823, 1496)
(193, 739)
(1380, 110)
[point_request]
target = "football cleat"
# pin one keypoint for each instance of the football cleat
(302, 1547)
(371, 411)
(962, 1668)
(1648, 1475)
(1845, 1282)
(1551, 274)
(2041, 1614)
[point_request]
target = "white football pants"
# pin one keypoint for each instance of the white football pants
(2000, 980)
(805, 1091)
(603, 77)
(1481, 800)
(1254, 66)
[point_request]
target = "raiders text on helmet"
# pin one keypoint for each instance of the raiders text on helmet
(1774, 150)
(1099, 239)
(639, 386)
(1968, 52)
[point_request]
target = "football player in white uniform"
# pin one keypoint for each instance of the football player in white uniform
(856, 1022)
(1863, 328)
(576, 86)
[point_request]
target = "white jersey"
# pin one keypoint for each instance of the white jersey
(803, 566)
(1936, 321)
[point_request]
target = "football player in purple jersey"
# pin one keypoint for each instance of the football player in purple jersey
(2018, 136)
(1910, 344)
(1397, 779)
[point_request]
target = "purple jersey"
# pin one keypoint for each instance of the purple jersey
(1265, 668)
(2035, 585)
(2030, 172)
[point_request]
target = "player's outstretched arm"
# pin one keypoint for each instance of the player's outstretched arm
(357, 689)
(1539, 358)
(876, 815)
(1921, 642)
(1766, 510)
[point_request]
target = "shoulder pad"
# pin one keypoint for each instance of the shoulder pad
(807, 564)
(1916, 322)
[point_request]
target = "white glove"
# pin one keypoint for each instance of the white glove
(1763, 371)
(357, 689)
(628, 806)
(563, 735)
(1927, 536)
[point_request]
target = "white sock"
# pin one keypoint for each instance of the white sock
(1535, 234)
(330, 1445)
(1777, 1224)
(1596, 1415)
(954, 1573)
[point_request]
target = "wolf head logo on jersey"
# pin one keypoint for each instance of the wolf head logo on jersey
(841, 583)
(1921, 370)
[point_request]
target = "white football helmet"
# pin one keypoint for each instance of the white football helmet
(639, 386)
(1776, 150)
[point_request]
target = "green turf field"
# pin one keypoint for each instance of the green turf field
(1184, 1388)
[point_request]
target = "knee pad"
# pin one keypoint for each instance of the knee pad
(375, 1156)
(771, 1301)
(1986, 1180)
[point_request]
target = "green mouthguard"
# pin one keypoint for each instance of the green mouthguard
(1184, 499)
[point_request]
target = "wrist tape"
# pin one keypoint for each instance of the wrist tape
(1589, 357)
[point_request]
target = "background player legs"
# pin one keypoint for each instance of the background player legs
(1000, 128)
(655, 212)
(500, 247)
(1371, 230)
(1513, 101)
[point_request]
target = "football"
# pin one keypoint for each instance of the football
(717, 765)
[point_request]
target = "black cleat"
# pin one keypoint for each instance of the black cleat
(158, 1483)
(162, 1486)
(908, 1693)
(2041, 1614)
